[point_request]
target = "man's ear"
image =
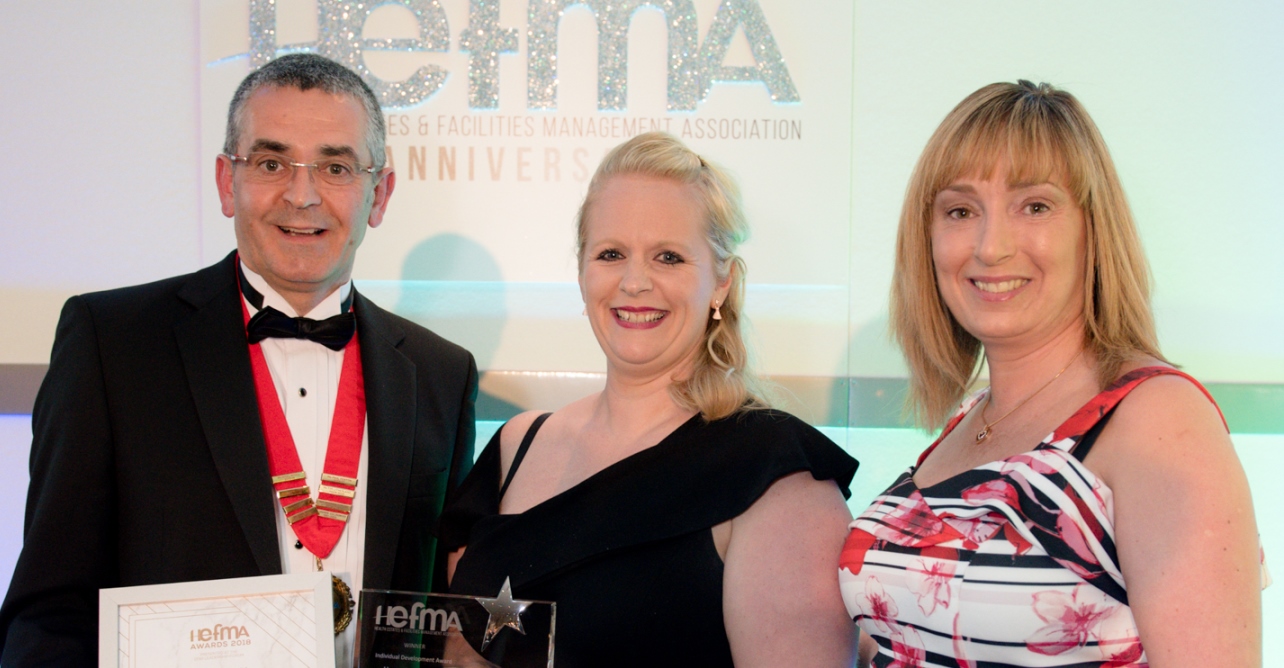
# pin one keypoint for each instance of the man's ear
(382, 193)
(223, 181)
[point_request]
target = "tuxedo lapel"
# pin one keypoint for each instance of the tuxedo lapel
(217, 363)
(390, 413)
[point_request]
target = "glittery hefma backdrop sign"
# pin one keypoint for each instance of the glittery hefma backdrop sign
(499, 111)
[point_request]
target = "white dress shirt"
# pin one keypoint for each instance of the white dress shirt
(306, 377)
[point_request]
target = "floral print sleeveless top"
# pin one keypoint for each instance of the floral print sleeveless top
(1010, 563)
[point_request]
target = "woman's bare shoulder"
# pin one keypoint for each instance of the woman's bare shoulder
(782, 556)
(1168, 402)
(515, 429)
(1184, 527)
(1165, 418)
(792, 503)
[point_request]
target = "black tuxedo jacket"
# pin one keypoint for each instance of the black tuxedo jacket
(148, 463)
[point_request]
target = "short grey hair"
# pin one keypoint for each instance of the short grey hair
(305, 71)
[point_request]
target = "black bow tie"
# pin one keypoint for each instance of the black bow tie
(333, 332)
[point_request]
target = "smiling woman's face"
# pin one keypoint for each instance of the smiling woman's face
(648, 274)
(1010, 257)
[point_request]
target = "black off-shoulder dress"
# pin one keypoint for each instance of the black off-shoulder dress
(627, 554)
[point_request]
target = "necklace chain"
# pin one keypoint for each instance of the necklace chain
(989, 426)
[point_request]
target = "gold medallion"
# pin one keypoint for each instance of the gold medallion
(343, 604)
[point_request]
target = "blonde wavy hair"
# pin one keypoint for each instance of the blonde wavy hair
(720, 383)
(1041, 133)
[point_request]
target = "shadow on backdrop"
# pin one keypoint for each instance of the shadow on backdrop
(876, 378)
(453, 286)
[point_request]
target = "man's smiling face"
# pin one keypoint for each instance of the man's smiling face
(302, 235)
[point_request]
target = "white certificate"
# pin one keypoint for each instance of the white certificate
(273, 620)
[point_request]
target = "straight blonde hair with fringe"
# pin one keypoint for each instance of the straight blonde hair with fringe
(1041, 133)
(720, 383)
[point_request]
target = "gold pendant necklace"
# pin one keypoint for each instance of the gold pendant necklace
(989, 426)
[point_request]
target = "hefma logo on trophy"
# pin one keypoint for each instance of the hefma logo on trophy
(419, 618)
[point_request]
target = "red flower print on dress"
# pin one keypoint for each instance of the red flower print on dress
(1129, 654)
(914, 518)
(930, 581)
(878, 606)
(857, 544)
(1071, 619)
(1070, 533)
(907, 647)
(982, 528)
(1020, 477)
(1089, 519)
(992, 490)
(1118, 641)
(1031, 459)
(978, 530)
(1019, 542)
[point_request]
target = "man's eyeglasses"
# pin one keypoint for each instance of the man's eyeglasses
(276, 169)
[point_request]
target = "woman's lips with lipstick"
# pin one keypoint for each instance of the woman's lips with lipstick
(998, 288)
(638, 318)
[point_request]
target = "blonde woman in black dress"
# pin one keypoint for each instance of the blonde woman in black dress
(673, 517)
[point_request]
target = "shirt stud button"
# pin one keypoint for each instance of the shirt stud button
(303, 392)
(298, 545)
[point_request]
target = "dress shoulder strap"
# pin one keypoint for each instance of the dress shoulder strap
(1087, 423)
(521, 452)
(1081, 449)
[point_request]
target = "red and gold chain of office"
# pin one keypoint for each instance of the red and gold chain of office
(318, 525)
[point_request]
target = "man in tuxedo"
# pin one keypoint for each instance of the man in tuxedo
(224, 423)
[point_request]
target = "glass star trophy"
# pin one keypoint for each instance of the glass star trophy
(398, 629)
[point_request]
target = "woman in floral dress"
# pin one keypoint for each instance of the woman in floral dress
(1087, 508)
